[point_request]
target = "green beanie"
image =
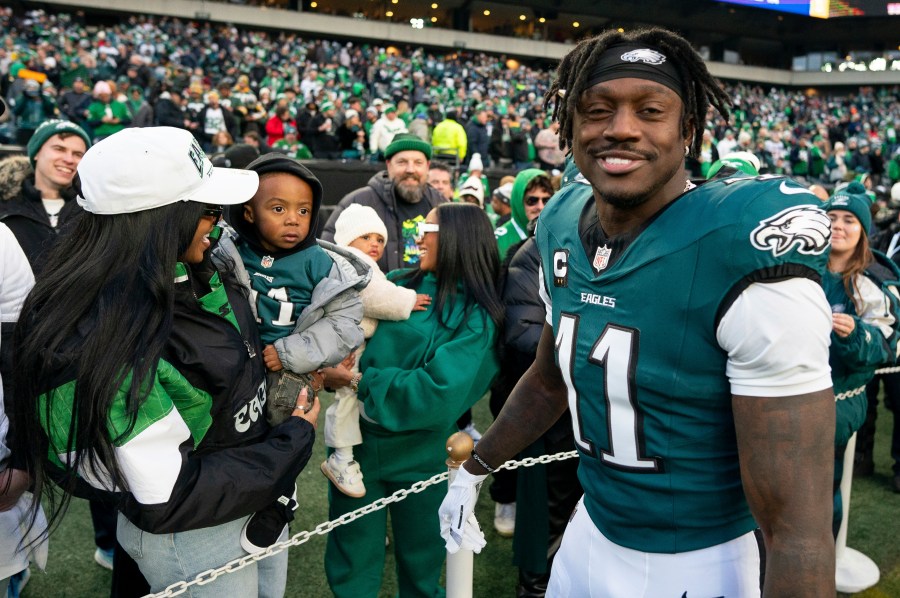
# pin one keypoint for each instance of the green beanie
(407, 141)
(853, 199)
(50, 128)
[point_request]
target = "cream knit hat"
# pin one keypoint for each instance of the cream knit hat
(356, 221)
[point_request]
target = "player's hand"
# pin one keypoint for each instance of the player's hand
(459, 527)
(270, 357)
(843, 324)
(422, 302)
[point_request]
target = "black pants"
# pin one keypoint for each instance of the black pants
(865, 437)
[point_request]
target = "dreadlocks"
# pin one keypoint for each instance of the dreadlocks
(701, 89)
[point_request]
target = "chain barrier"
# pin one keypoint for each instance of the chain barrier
(858, 391)
(324, 528)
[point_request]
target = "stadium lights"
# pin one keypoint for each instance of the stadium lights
(522, 17)
(542, 20)
(434, 5)
(576, 24)
(876, 65)
(417, 23)
(434, 19)
(394, 1)
(389, 13)
(313, 4)
(487, 13)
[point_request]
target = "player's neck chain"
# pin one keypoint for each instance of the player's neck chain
(688, 185)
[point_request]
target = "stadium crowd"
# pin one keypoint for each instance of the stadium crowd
(437, 123)
(331, 99)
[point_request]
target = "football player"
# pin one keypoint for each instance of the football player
(688, 333)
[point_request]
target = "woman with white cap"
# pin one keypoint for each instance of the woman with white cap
(140, 369)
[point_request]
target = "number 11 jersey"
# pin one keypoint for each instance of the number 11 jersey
(638, 342)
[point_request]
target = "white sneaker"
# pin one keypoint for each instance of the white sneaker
(345, 475)
(104, 558)
(471, 431)
(505, 519)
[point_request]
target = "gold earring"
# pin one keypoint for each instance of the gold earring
(687, 150)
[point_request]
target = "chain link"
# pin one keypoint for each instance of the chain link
(324, 528)
(858, 391)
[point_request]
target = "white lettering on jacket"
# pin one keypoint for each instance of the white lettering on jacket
(250, 412)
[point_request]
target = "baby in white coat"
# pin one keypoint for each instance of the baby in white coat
(361, 231)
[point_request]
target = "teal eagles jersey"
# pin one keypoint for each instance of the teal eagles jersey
(636, 344)
(282, 287)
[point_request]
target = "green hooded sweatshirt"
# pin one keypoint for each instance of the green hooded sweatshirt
(515, 229)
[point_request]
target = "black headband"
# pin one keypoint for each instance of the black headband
(639, 61)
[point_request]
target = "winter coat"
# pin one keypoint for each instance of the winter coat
(419, 375)
(478, 141)
(327, 330)
(382, 299)
(17, 281)
(202, 453)
(23, 211)
(872, 344)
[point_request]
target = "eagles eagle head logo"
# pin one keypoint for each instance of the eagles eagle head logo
(645, 55)
(806, 228)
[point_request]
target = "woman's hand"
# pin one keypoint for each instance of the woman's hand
(843, 324)
(338, 376)
(270, 357)
(312, 415)
(422, 302)
(13, 482)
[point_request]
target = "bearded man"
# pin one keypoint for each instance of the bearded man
(400, 195)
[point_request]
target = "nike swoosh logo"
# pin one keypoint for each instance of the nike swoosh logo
(793, 190)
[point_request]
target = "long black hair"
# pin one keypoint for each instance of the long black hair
(468, 262)
(701, 88)
(100, 312)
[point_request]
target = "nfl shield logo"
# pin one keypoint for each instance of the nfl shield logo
(601, 258)
(267, 261)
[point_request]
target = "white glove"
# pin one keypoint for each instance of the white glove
(458, 524)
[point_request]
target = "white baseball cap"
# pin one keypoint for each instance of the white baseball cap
(144, 168)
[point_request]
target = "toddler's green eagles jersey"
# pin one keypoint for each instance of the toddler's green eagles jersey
(636, 344)
(282, 287)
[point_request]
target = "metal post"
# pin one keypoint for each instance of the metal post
(460, 566)
(854, 571)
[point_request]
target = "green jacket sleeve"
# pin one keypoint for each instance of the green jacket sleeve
(433, 396)
(866, 347)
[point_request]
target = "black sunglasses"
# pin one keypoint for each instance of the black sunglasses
(213, 210)
(532, 200)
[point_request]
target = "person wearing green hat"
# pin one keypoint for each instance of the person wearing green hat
(861, 287)
(400, 195)
(46, 203)
(384, 129)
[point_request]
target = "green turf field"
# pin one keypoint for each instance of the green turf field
(874, 530)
